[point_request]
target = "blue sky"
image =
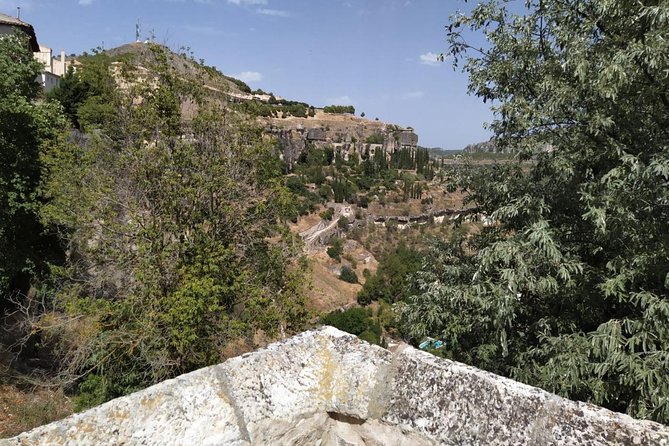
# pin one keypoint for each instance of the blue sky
(378, 55)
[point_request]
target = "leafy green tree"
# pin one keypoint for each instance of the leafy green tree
(168, 225)
(392, 279)
(101, 101)
(339, 109)
(569, 289)
(26, 127)
(354, 320)
(72, 92)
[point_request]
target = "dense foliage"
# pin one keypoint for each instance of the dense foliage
(339, 109)
(348, 275)
(171, 209)
(357, 321)
(569, 290)
(392, 281)
(26, 126)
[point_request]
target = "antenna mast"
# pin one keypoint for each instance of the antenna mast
(18, 12)
(137, 30)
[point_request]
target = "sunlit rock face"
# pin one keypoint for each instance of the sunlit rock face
(326, 387)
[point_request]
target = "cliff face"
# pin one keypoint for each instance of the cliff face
(326, 387)
(346, 134)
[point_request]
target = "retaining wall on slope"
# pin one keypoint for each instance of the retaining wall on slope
(327, 386)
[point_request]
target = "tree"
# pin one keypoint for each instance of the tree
(569, 290)
(72, 92)
(336, 249)
(168, 225)
(339, 109)
(348, 275)
(26, 127)
(392, 279)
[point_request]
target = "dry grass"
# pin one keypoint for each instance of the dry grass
(22, 410)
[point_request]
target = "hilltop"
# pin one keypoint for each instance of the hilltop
(295, 124)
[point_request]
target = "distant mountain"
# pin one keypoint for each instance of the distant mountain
(489, 146)
(440, 151)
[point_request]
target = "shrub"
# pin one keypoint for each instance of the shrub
(336, 249)
(327, 214)
(348, 275)
(370, 336)
(354, 320)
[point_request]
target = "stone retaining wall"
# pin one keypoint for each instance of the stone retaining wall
(327, 387)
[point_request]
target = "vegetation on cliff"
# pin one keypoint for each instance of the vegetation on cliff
(170, 213)
(339, 109)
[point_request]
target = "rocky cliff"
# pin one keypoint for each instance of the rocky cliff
(345, 134)
(329, 388)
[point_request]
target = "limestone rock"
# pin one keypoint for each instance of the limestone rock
(325, 387)
(316, 134)
(408, 138)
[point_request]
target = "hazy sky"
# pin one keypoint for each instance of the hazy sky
(379, 55)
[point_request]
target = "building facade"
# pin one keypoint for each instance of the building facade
(54, 68)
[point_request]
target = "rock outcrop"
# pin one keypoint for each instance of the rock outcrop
(345, 134)
(329, 388)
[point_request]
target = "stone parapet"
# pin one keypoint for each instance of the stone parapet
(327, 387)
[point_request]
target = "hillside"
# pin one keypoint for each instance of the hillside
(294, 124)
(142, 54)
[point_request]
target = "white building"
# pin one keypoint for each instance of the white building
(54, 65)
(54, 68)
(9, 25)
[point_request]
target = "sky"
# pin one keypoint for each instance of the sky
(378, 55)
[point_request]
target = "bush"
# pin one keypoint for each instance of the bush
(370, 336)
(325, 192)
(339, 109)
(376, 138)
(336, 249)
(348, 275)
(327, 214)
(354, 320)
(357, 321)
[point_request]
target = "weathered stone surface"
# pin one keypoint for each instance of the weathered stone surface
(325, 387)
(408, 138)
(190, 409)
(308, 374)
(456, 404)
(316, 134)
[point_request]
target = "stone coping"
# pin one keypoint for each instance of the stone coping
(326, 387)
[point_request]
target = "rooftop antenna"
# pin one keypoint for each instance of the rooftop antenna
(137, 30)
(18, 12)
